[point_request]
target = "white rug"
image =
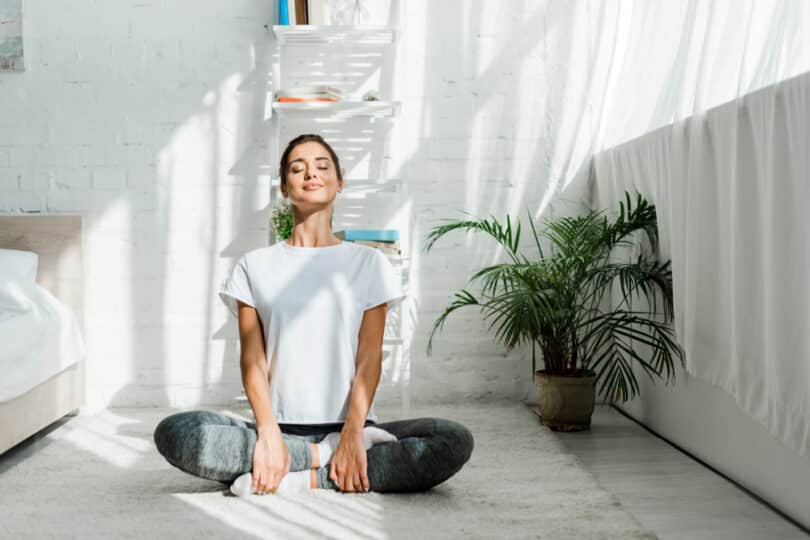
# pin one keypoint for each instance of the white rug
(100, 476)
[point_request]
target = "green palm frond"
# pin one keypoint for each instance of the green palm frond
(492, 276)
(534, 232)
(463, 298)
(519, 316)
(503, 235)
(647, 275)
(531, 276)
(643, 217)
(617, 329)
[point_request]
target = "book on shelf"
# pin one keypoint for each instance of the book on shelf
(313, 98)
(293, 12)
(374, 235)
(301, 11)
(319, 92)
(326, 89)
(390, 248)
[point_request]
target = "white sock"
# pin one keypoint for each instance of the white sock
(241, 487)
(295, 481)
(292, 482)
(371, 436)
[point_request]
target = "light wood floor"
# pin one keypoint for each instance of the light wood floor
(667, 490)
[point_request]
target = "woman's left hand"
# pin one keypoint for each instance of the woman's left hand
(348, 466)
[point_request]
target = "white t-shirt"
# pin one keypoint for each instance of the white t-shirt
(311, 301)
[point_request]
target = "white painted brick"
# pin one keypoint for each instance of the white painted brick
(112, 178)
(131, 130)
(449, 148)
(142, 200)
(69, 200)
(21, 202)
(137, 155)
(57, 156)
(33, 132)
(37, 179)
(80, 117)
(23, 155)
(10, 179)
(87, 131)
(142, 177)
(103, 154)
(5, 158)
(73, 178)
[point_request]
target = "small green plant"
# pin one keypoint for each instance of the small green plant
(283, 221)
(555, 301)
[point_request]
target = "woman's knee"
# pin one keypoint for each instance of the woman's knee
(459, 440)
(164, 433)
(451, 446)
(175, 428)
(451, 441)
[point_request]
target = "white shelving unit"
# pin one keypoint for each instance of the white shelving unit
(314, 39)
(309, 34)
(340, 108)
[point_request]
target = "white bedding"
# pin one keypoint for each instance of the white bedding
(39, 336)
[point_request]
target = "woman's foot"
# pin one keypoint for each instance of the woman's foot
(292, 482)
(241, 487)
(371, 435)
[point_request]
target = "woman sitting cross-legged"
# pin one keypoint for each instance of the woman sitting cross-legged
(311, 314)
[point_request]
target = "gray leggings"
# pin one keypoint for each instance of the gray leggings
(217, 447)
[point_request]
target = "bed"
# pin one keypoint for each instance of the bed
(42, 349)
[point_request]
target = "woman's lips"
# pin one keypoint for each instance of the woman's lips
(312, 188)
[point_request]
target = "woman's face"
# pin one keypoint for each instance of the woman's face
(312, 179)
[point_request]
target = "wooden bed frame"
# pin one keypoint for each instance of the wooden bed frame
(57, 239)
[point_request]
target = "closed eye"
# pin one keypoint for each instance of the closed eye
(319, 168)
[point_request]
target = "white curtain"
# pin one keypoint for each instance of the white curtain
(732, 188)
(617, 69)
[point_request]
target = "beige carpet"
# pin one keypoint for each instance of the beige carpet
(100, 477)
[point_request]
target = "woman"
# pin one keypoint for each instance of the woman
(315, 306)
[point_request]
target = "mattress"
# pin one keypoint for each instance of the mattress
(39, 337)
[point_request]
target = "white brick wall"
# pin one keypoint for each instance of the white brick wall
(140, 116)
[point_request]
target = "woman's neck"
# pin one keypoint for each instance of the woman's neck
(302, 240)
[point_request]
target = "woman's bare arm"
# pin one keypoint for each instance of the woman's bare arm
(253, 364)
(271, 457)
(368, 367)
(349, 464)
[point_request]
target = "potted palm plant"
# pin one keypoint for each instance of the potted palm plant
(559, 302)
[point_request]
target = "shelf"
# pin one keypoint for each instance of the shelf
(308, 34)
(346, 107)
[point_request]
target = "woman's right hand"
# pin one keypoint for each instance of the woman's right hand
(271, 461)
